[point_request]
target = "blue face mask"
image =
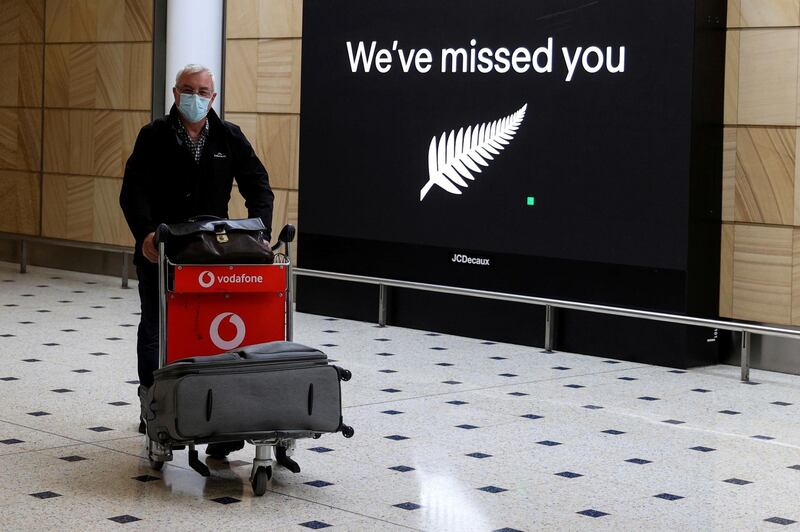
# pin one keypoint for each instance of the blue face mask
(193, 107)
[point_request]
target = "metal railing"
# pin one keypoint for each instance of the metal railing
(746, 329)
(25, 239)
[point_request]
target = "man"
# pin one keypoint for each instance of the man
(183, 165)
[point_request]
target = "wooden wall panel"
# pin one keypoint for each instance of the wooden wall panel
(763, 13)
(99, 20)
(21, 75)
(731, 104)
(768, 65)
(762, 273)
(90, 142)
(726, 271)
(728, 173)
(263, 76)
(20, 139)
(19, 202)
(276, 140)
(98, 76)
(83, 208)
(21, 21)
(765, 175)
(796, 277)
(264, 18)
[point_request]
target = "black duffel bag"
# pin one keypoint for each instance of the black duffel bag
(212, 240)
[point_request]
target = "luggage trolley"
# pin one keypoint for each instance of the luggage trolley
(207, 309)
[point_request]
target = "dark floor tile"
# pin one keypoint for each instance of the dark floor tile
(702, 449)
(387, 371)
(81, 371)
(497, 358)
(146, 478)
(568, 474)
(561, 368)
(673, 422)
(627, 379)
(38, 413)
(593, 513)
(402, 468)
(518, 394)
(439, 348)
(649, 398)
(737, 481)
(639, 461)
(226, 500)
(729, 412)
(452, 382)
(668, 496)
(508, 375)
(318, 483)
(99, 354)
(507, 529)
(613, 432)
(444, 364)
(391, 390)
(385, 354)
(119, 403)
(320, 449)
(781, 403)
(492, 489)
(457, 403)
(762, 437)
(31, 360)
(73, 458)
(407, 506)
(548, 443)
(61, 390)
(315, 525)
(396, 437)
(392, 412)
(592, 407)
(45, 495)
(467, 426)
(677, 371)
(479, 455)
(575, 386)
(9, 379)
(780, 521)
(701, 390)
(11, 441)
(531, 416)
(100, 429)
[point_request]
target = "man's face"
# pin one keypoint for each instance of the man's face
(198, 83)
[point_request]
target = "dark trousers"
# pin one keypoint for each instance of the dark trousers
(147, 337)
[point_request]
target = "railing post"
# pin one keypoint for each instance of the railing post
(23, 256)
(382, 304)
(548, 328)
(745, 356)
(125, 273)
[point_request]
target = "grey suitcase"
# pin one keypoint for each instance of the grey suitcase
(267, 391)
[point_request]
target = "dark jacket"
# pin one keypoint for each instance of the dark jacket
(163, 184)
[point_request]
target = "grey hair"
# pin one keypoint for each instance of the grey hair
(195, 69)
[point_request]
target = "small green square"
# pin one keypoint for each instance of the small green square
(531, 201)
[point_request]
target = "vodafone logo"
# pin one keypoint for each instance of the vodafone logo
(235, 320)
(206, 279)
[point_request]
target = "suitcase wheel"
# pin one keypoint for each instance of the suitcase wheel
(156, 465)
(260, 479)
(347, 431)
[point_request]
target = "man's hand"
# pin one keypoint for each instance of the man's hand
(149, 248)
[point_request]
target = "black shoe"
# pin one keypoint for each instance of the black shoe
(223, 449)
(142, 426)
(285, 461)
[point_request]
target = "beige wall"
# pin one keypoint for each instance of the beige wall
(262, 92)
(760, 260)
(76, 78)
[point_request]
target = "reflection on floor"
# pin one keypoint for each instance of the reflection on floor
(451, 434)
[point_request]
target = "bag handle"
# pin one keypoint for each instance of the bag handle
(204, 218)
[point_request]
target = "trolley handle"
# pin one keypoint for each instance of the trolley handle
(286, 236)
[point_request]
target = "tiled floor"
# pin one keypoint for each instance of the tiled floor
(451, 434)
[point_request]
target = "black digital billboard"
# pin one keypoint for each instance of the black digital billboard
(547, 147)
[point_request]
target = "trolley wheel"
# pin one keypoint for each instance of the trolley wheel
(348, 431)
(260, 479)
(156, 465)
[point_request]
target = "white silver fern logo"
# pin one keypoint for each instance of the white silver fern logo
(458, 155)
